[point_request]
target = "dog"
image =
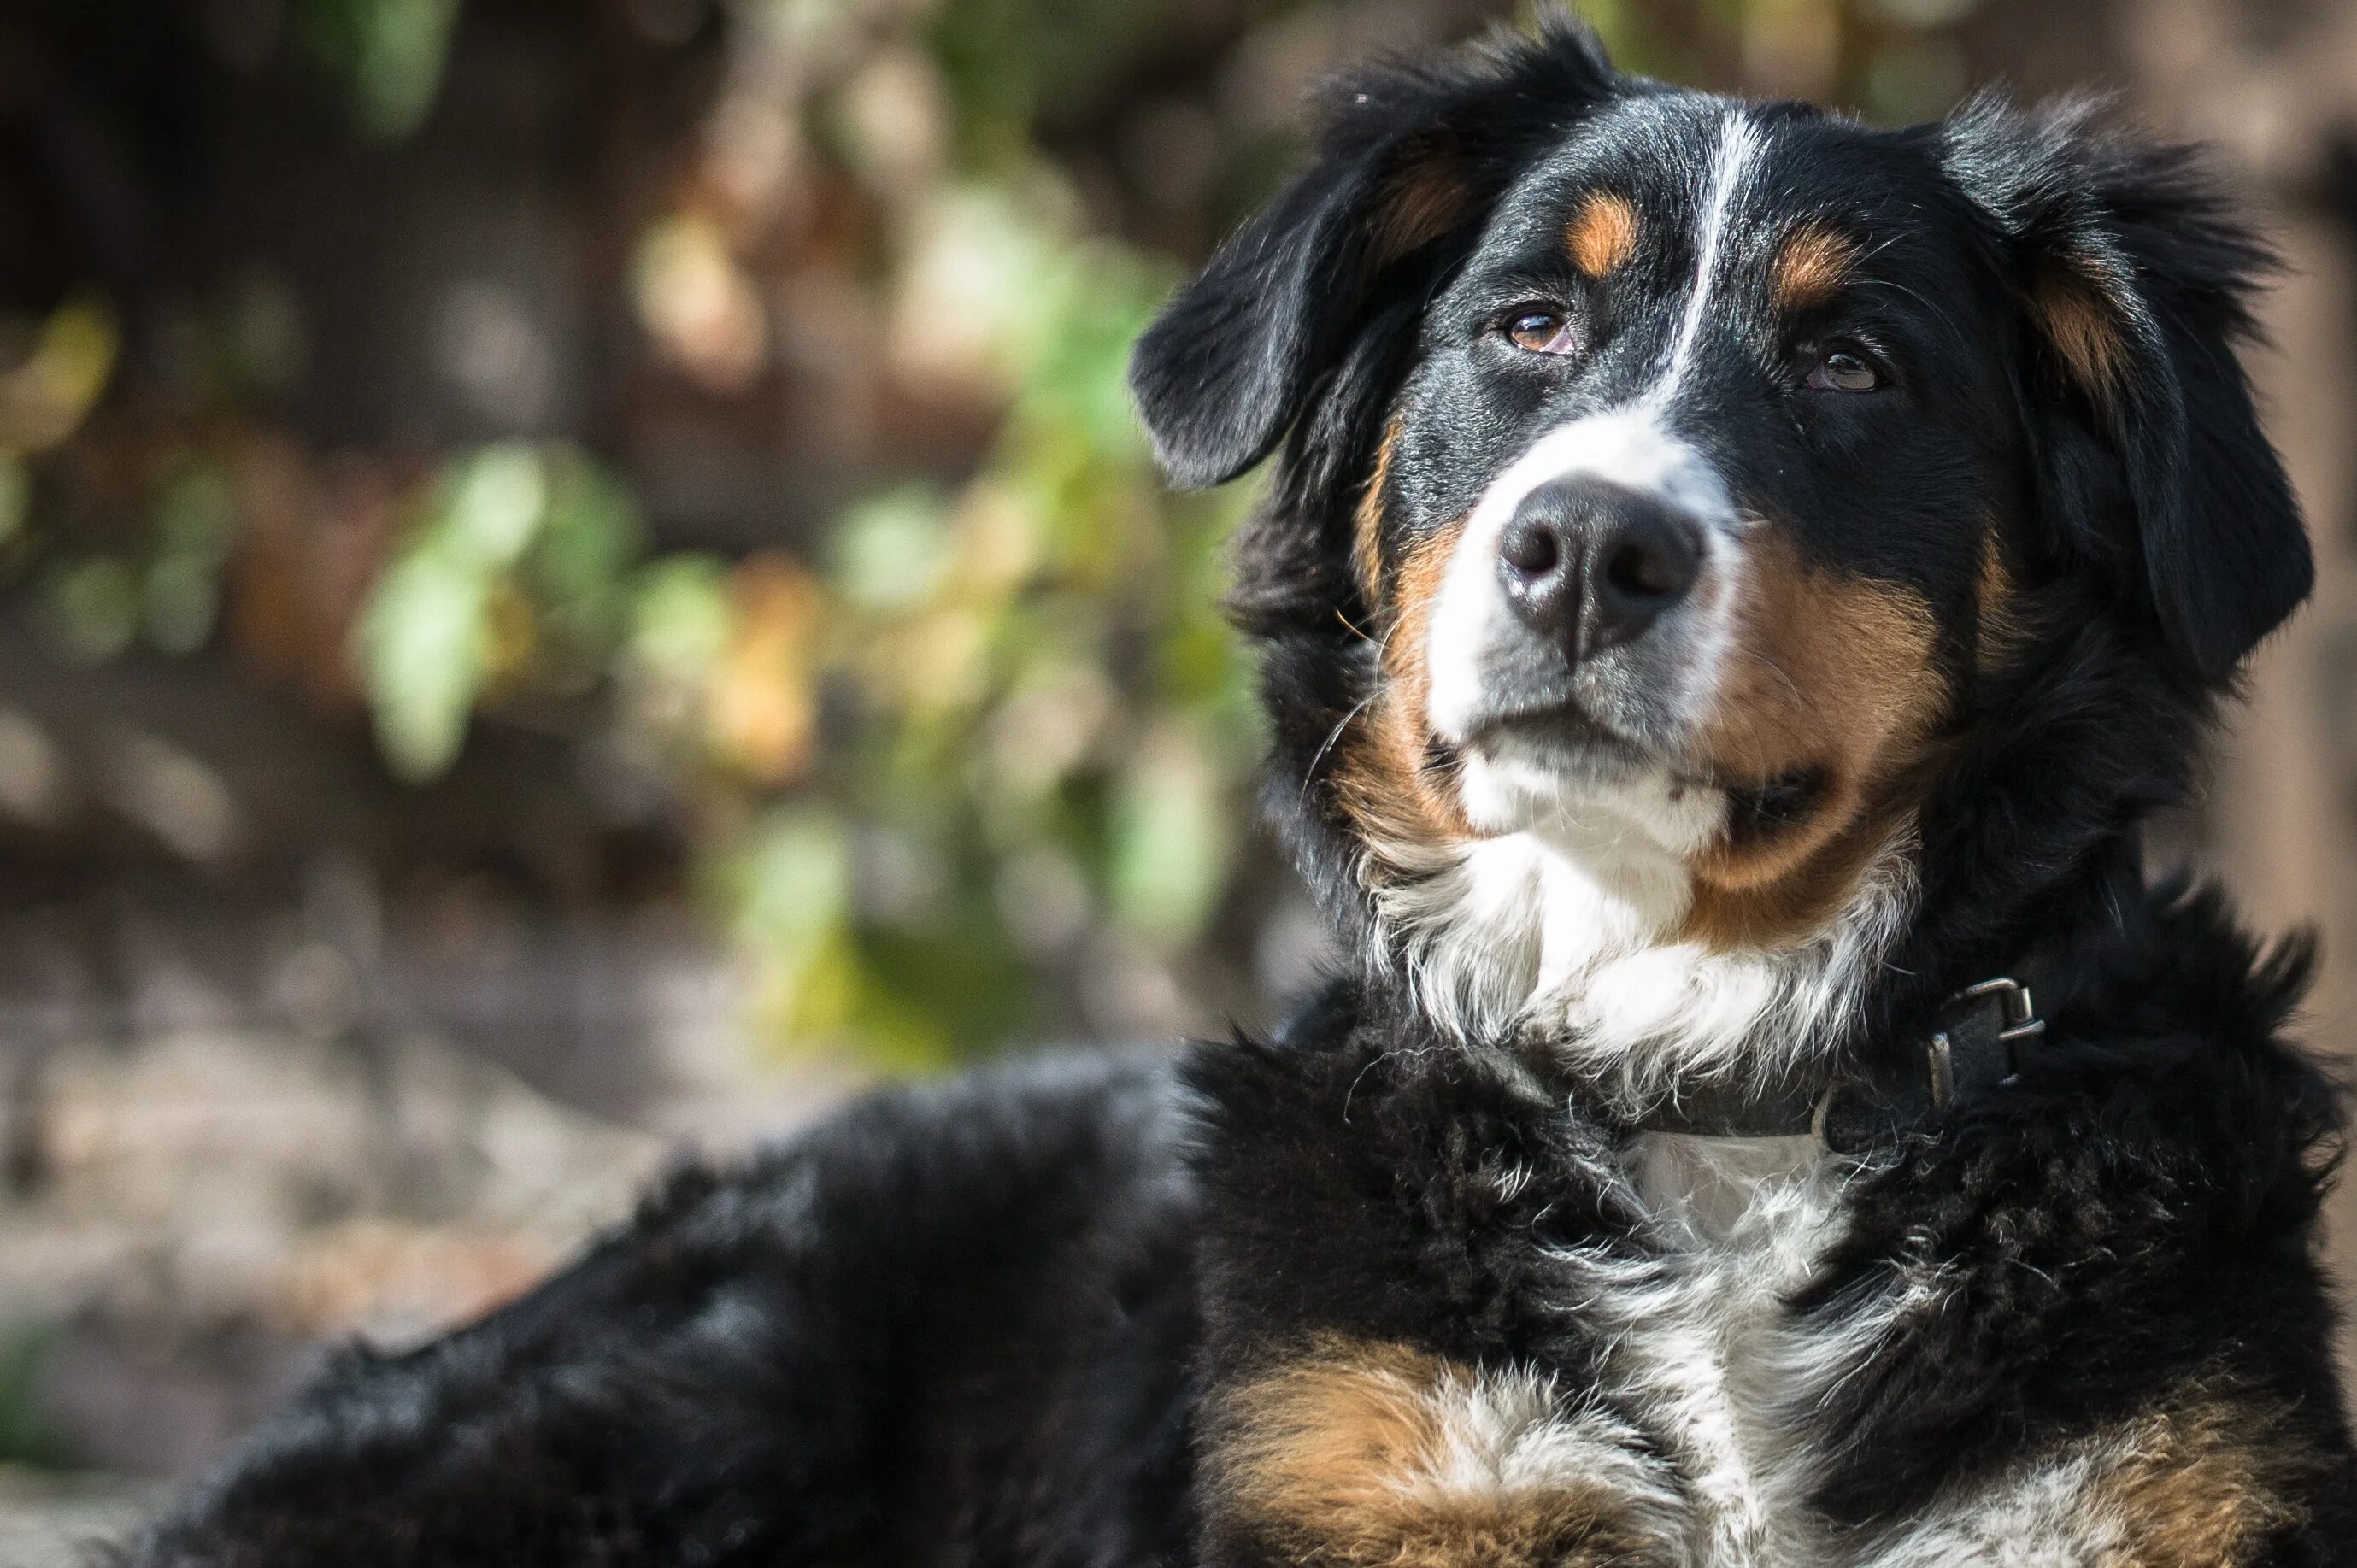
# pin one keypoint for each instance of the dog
(1730, 585)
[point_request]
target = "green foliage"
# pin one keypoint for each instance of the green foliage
(1044, 721)
(389, 55)
(516, 563)
(25, 1435)
(195, 526)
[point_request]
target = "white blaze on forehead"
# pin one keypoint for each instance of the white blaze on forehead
(1730, 171)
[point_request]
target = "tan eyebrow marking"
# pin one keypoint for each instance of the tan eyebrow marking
(1603, 235)
(1812, 263)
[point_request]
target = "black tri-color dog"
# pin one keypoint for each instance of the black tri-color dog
(1731, 585)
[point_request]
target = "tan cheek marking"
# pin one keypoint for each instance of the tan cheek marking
(1367, 532)
(1382, 777)
(2203, 1485)
(1603, 235)
(1829, 673)
(2071, 311)
(1811, 266)
(1341, 1459)
(1748, 913)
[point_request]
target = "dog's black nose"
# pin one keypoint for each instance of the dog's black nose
(1589, 564)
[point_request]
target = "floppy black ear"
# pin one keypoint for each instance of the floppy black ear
(1409, 156)
(2136, 276)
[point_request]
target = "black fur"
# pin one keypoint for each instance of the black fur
(973, 1325)
(946, 1327)
(1227, 369)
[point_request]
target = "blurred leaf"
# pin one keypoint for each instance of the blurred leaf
(580, 561)
(92, 607)
(45, 399)
(1168, 853)
(180, 601)
(791, 883)
(680, 618)
(697, 304)
(979, 289)
(788, 888)
(26, 1435)
(194, 526)
(496, 502)
(933, 997)
(423, 647)
(195, 515)
(390, 54)
(891, 552)
(1009, 63)
(764, 701)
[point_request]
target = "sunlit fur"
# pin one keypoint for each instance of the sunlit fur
(1560, 933)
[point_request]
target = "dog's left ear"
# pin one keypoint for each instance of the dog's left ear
(2136, 276)
(1409, 156)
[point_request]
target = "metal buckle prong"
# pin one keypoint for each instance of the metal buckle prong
(1941, 1055)
(2017, 1008)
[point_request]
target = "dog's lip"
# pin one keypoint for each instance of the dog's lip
(1571, 727)
(1568, 725)
(1565, 722)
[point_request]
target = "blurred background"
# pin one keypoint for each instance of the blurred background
(576, 579)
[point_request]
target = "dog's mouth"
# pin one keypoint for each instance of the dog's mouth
(1565, 729)
(1568, 741)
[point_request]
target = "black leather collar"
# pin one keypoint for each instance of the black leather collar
(1971, 1048)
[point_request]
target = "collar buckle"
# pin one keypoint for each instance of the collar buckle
(2018, 1020)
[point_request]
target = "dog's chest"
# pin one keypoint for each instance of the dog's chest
(1664, 1349)
(1709, 1359)
(1681, 1447)
(1715, 1371)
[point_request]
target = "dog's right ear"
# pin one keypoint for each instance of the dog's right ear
(1409, 156)
(2137, 274)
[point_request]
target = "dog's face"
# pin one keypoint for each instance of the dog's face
(1685, 513)
(1677, 491)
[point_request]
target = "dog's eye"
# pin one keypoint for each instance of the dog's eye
(1845, 371)
(1539, 331)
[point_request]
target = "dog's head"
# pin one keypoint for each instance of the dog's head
(1681, 501)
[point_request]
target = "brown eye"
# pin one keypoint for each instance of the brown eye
(1540, 332)
(1844, 371)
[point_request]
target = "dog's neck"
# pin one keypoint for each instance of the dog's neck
(1575, 946)
(1529, 940)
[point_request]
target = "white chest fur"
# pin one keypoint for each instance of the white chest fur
(1565, 933)
(1716, 1371)
(1711, 1361)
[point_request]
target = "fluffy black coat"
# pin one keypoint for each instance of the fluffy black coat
(998, 1321)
